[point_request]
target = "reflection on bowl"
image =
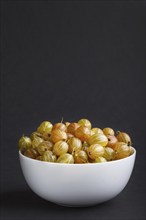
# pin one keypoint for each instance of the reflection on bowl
(77, 184)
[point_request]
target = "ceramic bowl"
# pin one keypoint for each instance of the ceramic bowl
(77, 184)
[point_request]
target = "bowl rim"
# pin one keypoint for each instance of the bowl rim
(81, 164)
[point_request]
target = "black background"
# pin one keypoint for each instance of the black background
(71, 59)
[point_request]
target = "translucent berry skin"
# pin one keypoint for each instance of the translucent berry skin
(58, 135)
(98, 139)
(72, 127)
(31, 153)
(36, 141)
(109, 153)
(48, 156)
(97, 131)
(45, 127)
(24, 143)
(122, 150)
(65, 158)
(95, 150)
(60, 147)
(74, 144)
(124, 137)
(111, 140)
(80, 156)
(100, 160)
(108, 131)
(83, 133)
(59, 126)
(44, 146)
(85, 122)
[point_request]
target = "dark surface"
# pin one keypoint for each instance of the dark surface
(71, 60)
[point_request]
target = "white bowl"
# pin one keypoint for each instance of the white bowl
(77, 184)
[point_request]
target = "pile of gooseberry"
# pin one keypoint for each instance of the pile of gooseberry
(75, 142)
